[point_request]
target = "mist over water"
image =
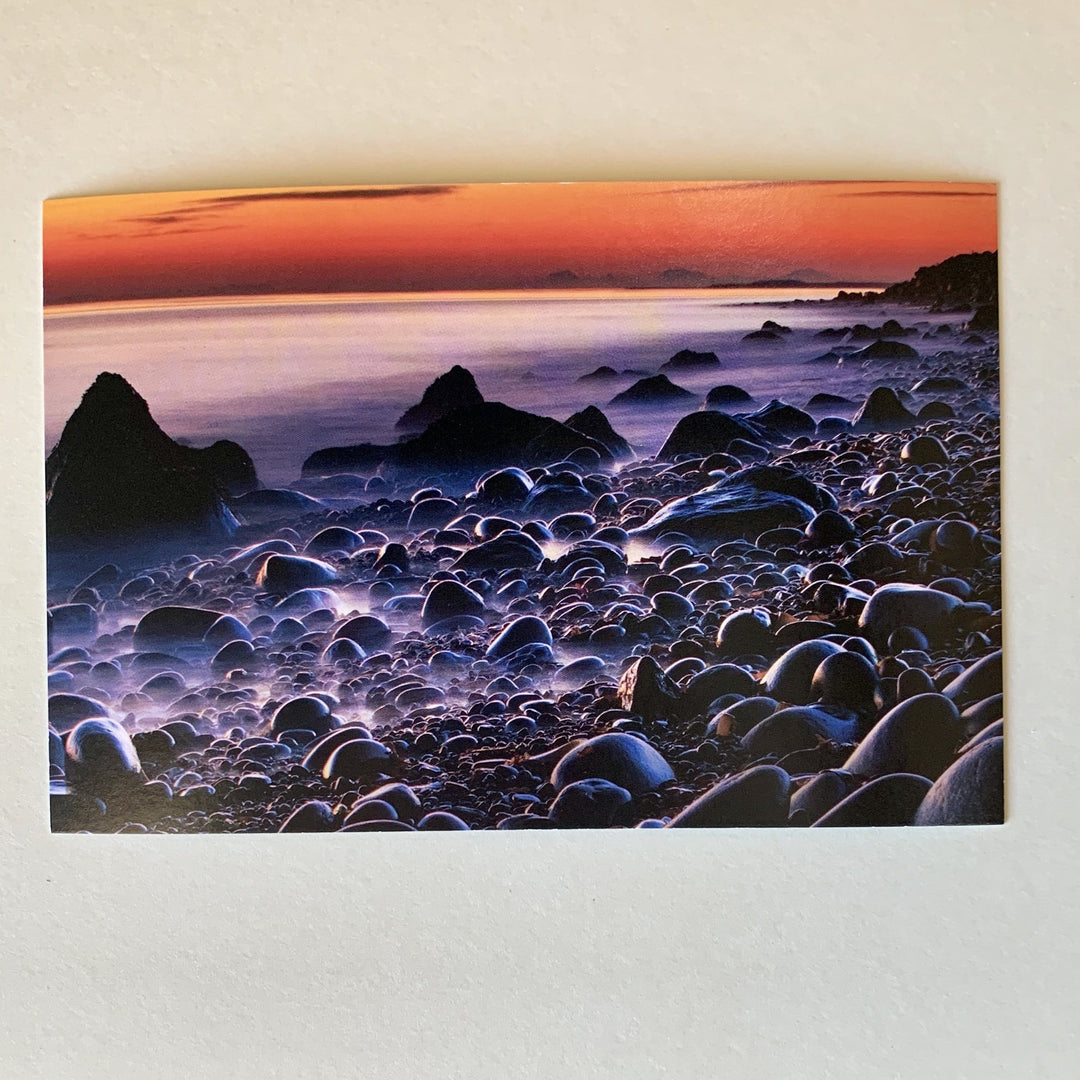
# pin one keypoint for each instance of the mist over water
(286, 377)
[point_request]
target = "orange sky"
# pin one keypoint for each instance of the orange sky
(492, 236)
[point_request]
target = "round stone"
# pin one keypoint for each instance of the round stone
(919, 735)
(367, 631)
(756, 798)
(624, 760)
(588, 804)
(971, 791)
(450, 599)
(310, 713)
(101, 757)
(791, 678)
(847, 679)
(524, 631)
(357, 759)
(889, 800)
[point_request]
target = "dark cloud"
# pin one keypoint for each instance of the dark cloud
(317, 195)
(940, 193)
(739, 185)
(200, 215)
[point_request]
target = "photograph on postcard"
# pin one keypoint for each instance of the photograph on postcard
(523, 506)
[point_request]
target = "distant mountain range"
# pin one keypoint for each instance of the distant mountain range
(678, 277)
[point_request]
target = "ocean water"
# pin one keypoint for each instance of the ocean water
(287, 376)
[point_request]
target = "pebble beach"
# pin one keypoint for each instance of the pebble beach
(789, 615)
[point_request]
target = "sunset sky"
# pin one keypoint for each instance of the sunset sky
(502, 236)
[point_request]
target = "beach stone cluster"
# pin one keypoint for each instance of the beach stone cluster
(774, 622)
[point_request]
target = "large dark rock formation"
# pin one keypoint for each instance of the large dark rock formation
(705, 433)
(116, 476)
(456, 389)
(742, 505)
(657, 389)
(960, 282)
(689, 360)
(486, 436)
(592, 422)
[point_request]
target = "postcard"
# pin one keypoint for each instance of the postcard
(524, 506)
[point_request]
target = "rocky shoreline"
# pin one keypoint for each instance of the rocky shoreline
(776, 621)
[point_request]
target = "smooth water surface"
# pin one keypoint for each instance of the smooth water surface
(287, 376)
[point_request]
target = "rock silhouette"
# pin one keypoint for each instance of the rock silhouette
(115, 475)
(456, 389)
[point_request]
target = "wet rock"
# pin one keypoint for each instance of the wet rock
(798, 728)
(506, 487)
(357, 759)
(522, 632)
(830, 528)
(114, 474)
(846, 679)
(655, 389)
(901, 605)
(449, 599)
(982, 680)
(920, 735)
(818, 796)
(756, 798)
(455, 389)
(889, 800)
(333, 538)
(781, 420)
(688, 359)
(624, 760)
(490, 436)
(66, 710)
(791, 677)
(368, 631)
(741, 717)
(714, 682)
(575, 674)
(170, 627)
(647, 692)
(432, 514)
(441, 821)
(720, 397)
(589, 804)
(592, 422)
(370, 810)
(882, 411)
(726, 511)
(704, 433)
(971, 791)
(101, 758)
(224, 630)
(311, 713)
(507, 551)
(318, 755)
(978, 716)
(401, 797)
(886, 350)
(283, 574)
(313, 816)
(746, 632)
(71, 622)
(924, 450)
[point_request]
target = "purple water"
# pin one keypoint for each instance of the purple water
(287, 377)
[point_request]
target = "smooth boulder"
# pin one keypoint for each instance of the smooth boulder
(756, 798)
(622, 759)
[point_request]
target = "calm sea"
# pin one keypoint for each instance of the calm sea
(287, 376)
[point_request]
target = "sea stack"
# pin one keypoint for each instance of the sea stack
(115, 475)
(456, 389)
